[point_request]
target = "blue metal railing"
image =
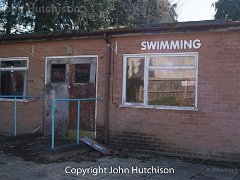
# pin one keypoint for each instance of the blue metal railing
(78, 114)
(15, 98)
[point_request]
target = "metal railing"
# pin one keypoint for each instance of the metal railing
(15, 98)
(78, 114)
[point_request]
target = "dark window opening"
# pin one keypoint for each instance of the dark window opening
(135, 80)
(82, 73)
(12, 83)
(9, 64)
(58, 72)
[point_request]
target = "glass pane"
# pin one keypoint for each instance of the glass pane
(172, 87)
(82, 73)
(9, 64)
(172, 61)
(135, 80)
(58, 72)
(12, 83)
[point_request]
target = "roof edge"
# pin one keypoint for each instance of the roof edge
(154, 28)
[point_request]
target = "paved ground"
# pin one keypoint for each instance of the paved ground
(14, 168)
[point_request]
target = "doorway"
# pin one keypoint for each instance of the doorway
(71, 77)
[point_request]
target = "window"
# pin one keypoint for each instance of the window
(82, 73)
(58, 72)
(135, 80)
(161, 80)
(13, 72)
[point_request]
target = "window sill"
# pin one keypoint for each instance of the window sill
(12, 100)
(160, 107)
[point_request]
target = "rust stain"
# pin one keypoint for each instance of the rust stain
(82, 90)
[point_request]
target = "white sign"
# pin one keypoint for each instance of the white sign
(168, 45)
(188, 83)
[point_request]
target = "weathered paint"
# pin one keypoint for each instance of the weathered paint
(83, 90)
(66, 112)
(57, 90)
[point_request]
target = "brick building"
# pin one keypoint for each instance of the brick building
(170, 89)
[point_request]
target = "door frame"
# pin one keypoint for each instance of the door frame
(47, 58)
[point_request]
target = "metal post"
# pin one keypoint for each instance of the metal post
(78, 122)
(54, 101)
(53, 111)
(15, 116)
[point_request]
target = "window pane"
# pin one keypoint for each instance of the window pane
(171, 87)
(8, 64)
(58, 72)
(135, 80)
(12, 83)
(172, 61)
(82, 73)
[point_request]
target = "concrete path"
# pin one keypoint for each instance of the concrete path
(15, 168)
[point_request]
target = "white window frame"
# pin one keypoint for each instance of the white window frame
(146, 77)
(17, 69)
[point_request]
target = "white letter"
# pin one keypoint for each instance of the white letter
(174, 45)
(134, 169)
(164, 45)
(74, 170)
(79, 171)
(95, 171)
(187, 44)
(197, 44)
(48, 10)
(158, 45)
(143, 44)
(151, 45)
(181, 44)
(66, 169)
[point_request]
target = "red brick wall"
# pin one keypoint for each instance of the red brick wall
(30, 114)
(211, 132)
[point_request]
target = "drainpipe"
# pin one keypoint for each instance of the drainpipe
(107, 88)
